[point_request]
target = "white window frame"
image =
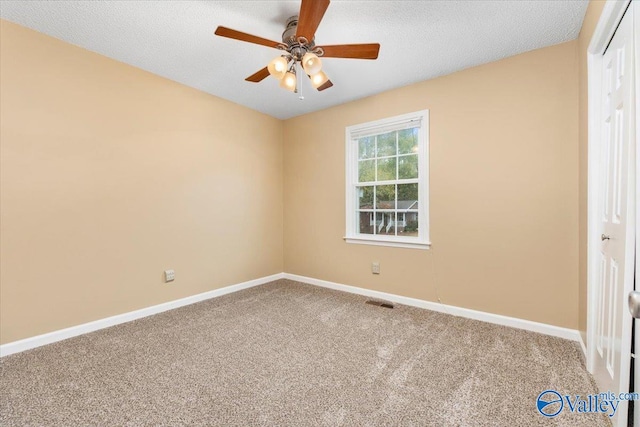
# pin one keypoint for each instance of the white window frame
(351, 180)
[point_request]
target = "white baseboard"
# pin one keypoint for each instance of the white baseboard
(541, 328)
(582, 345)
(63, 334)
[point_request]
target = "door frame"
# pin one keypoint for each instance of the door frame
(612, 13)
(636, 337)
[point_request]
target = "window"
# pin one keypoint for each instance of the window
(387, 181)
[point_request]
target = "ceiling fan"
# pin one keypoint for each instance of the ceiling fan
(299, 49)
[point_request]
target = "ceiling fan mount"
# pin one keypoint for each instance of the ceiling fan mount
(300, 50)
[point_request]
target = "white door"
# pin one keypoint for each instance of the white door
(616, 270)
(636, 34)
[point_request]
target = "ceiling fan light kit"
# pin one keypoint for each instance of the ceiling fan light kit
(278, 67)
(289, 81)
(300, 50)
(319, 79)
(311, 63)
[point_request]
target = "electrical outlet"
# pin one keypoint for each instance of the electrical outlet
(375, 267)
(169, 275)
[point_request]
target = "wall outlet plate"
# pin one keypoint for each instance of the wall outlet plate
(375, 267)
(169, 275)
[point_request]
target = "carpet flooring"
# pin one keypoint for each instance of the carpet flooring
(290, 354)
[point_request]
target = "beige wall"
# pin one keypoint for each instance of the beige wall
(588, 26)
(110, 175)
(504, 191)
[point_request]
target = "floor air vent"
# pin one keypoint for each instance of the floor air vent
(379, 303)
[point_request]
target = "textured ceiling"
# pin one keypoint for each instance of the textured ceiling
(420, 40)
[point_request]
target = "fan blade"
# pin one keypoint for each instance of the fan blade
(259, 76)
(239, 35)
(311, 13)
(356, 51)
(326, 85)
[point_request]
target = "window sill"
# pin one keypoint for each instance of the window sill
(390, 243)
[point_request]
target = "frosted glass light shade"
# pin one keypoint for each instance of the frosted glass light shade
(311, 63)
(288, 82)
(278, 67)
(318, 79)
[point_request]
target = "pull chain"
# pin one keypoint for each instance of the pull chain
(299, 83)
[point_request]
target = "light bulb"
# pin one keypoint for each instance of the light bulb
(289, 82)
(278, 67)
(311, 63)
(318, 79)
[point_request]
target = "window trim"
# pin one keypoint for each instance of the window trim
(351, 181)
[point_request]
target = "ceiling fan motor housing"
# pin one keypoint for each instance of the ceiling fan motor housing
(294, 47)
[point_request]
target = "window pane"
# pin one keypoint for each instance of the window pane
(407, 196)
(366, 170)
(410, 228)
(386, 197)
(408, 167)
(387, 169)
(367, 147)
(365, 197)
(387, 144)
(366, 224)
(408, 141)
(391, 165)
